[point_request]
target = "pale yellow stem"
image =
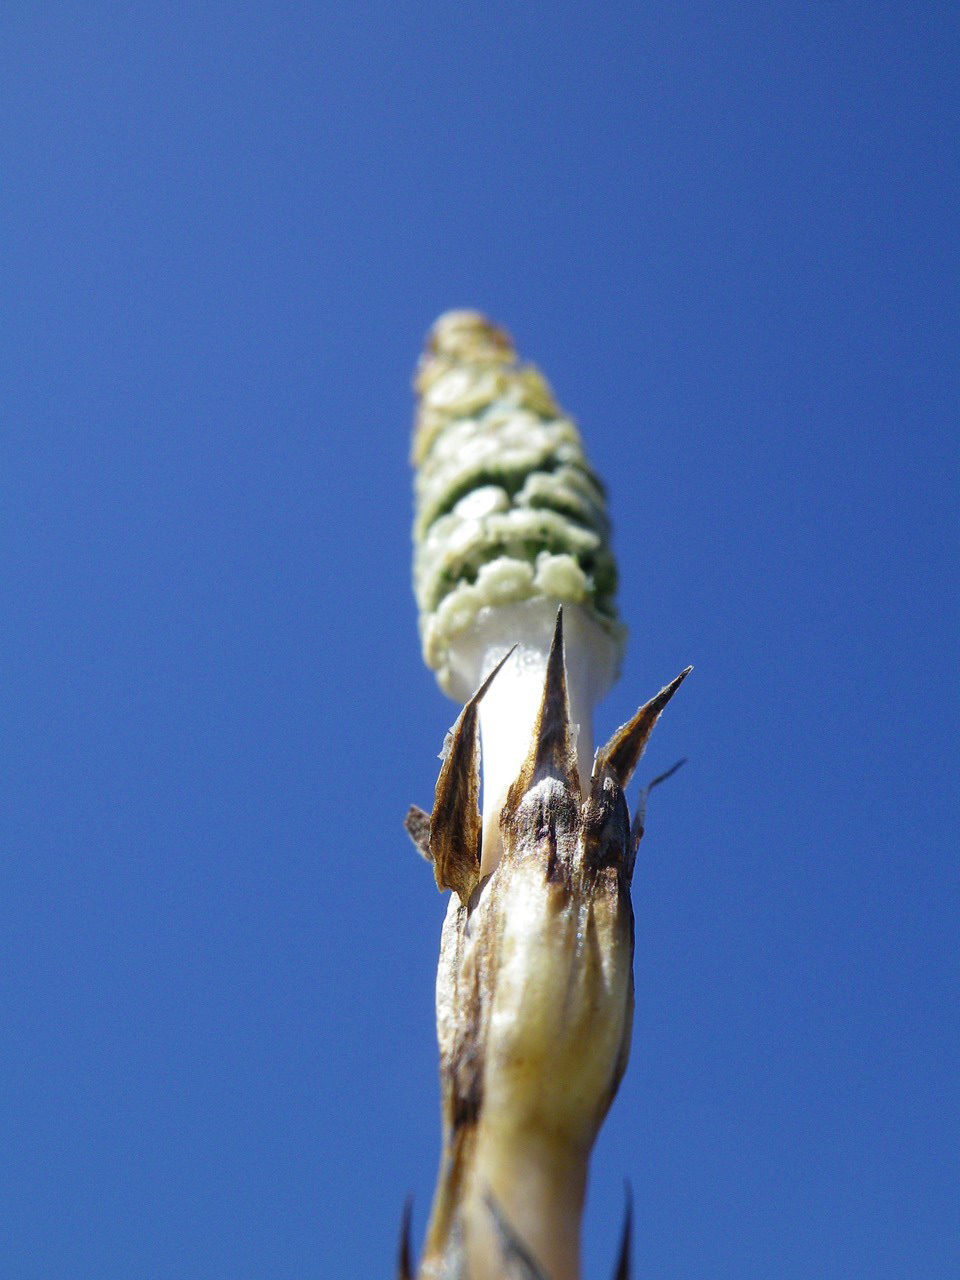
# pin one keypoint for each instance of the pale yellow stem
(539, 1183)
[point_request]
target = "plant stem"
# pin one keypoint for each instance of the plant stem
(535, 981)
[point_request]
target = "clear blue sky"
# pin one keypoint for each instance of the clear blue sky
(729, 235)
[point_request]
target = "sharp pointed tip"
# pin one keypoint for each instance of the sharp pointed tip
(666, 693)
(478, 696)
(404, 1251)
(556, 665)
(553, 750)
(623, 1261)
(622, 753)
(556, 668)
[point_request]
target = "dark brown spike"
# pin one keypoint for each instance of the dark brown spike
(417, 823)
(404, 1251)
(455, 827)
(517, 1257)
(552, 752)
(623, 1262)
(622, 753)
(638, 825)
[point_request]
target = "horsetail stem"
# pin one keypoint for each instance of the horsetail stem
(515, 579)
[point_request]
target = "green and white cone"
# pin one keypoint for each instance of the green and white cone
(511, 521)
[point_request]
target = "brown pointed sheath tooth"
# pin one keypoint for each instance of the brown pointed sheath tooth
(638, 826)
(455, 822)
(417, 823)
(622, 753)
(623, 1262)
(404, 1253)
(552, 753)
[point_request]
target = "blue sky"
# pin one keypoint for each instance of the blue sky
(728, 235)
